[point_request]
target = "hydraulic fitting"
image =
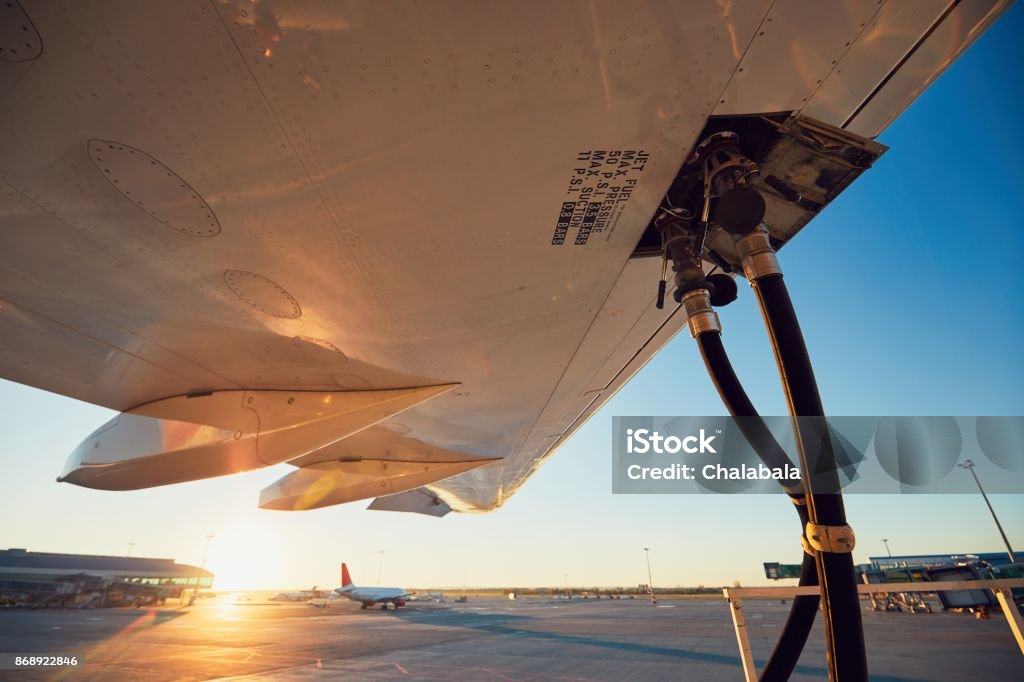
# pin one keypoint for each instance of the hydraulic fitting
(757, 255)
(700, 316)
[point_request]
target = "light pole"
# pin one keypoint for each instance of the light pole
(130, 545)
(380, 565)
(969, 465)
(202, 564)
(887, 550)
(567, 594)
(650, 580)
(206, 550)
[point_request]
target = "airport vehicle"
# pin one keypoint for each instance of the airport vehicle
(410, 250)
(302, 595)
(371, 596)
(436, 597)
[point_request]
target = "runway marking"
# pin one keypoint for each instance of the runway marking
(401, 669)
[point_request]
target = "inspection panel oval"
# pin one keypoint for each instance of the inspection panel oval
(19, 39)
(263, 294)
(154, 188)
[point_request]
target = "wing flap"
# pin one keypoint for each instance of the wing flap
(418, 501)
(330, 483)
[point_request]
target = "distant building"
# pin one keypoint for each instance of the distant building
(77, 580)
(881, 563)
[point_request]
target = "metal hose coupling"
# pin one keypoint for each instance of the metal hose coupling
(700, 315)
(757, 255)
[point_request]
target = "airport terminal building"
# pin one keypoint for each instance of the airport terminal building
(882, 563)
(46, 579)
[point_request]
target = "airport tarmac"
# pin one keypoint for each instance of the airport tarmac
(484, 639)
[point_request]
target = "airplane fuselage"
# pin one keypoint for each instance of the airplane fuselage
(370, 596)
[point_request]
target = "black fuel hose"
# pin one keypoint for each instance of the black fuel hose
(842, 613)
(802, 613)
(736, 400)
(799, 622)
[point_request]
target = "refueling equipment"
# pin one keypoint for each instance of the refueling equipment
(750, 184)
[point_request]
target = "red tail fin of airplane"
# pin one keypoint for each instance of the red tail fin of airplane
(346, 580)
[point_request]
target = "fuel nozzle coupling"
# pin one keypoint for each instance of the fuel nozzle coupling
(757, 254)
(738, 206)
(681, 248)
(700, 316)
(681, 243)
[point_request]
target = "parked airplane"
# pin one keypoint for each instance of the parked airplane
(369, 596)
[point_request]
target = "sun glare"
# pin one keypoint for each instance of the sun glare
(246, 556)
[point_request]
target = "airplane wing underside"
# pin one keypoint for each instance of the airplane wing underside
(372, 205)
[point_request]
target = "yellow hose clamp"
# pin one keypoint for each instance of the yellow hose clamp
(807, 547)
(832, 539)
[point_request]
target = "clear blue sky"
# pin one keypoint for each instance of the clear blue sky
(908, 288)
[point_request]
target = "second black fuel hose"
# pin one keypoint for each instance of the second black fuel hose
(842, 612)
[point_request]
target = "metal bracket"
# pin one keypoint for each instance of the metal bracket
(832, 539)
